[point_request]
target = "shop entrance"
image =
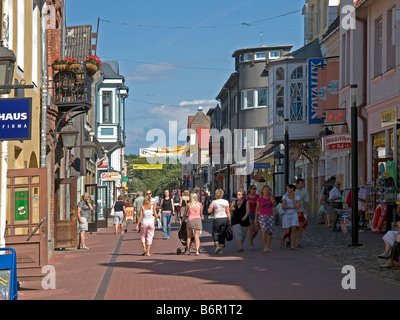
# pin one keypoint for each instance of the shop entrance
(65, 215)
(26, 226)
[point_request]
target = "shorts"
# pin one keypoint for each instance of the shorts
(252, 216)
(83, 226)
(118, 217)
(290, 220)
(239, 232)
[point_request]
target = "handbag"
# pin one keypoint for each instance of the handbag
(229, 233)
(112, 213)
(280, 209)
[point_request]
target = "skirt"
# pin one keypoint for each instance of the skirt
(195, 224)
(302, 221)
(267, 222)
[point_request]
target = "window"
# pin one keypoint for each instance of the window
(107, 106)
(378, 47)
(261, 136)
(391, 49)
(280, 74)
(274, 54)
(297, 73)
(248, 57)
(260, 55)
(296, 102)
(254, 98)
(280, 102)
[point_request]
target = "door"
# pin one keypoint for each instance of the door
(101, 207)
(91, 189)
(27, 224)
(65, 215)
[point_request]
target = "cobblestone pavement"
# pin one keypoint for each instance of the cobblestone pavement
(322, 241)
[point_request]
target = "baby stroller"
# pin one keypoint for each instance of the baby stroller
(182, 235)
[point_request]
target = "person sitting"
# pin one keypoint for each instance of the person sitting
(389, 240)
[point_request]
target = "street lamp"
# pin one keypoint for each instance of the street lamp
(279, 159)
(89, 149)
(69, 135)
(7, 63)
(325, 132)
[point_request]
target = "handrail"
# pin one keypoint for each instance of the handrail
(36, 229)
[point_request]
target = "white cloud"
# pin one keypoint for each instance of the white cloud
(199, 103)
(151, 72)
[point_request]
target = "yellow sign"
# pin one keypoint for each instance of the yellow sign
(147, 166)
(129, 213)
(389, 117)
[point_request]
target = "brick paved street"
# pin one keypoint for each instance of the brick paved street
(113, 269)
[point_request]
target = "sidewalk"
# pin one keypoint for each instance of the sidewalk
(113, 269)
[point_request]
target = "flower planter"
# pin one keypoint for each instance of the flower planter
(74, 67)
(59, 67)
(92, 68)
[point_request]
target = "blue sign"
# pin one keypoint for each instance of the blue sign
(262, 165)
(313, 66)
(15, 119)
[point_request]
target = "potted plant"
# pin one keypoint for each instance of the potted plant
(59, 65)
(93, 64)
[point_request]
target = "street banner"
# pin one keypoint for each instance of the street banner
(328, 88)
(313, 66)
(129, 213)
(15, 119)
(162, 152)
(147, 166)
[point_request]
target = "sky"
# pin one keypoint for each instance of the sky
(176, 55)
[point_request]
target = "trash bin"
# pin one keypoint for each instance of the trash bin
(8, 274)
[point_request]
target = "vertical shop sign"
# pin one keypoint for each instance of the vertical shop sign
(21, 205)
(313, 66)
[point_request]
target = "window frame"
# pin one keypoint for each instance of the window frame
(110, 112)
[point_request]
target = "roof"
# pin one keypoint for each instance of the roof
(78, 42)
(110, 70)
(283, 46)
(310, 50)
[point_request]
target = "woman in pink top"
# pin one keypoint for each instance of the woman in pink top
(265, 216)
(193, 210)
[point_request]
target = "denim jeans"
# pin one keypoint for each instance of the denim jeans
(166, 222)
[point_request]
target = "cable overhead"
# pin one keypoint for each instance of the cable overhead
(243, 24)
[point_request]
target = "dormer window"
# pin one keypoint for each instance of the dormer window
(260, 55)
(274, 54)
(248, 57)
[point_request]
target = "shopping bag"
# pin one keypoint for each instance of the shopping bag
(229, 233)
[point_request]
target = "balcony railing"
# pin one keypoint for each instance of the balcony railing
(72, 88)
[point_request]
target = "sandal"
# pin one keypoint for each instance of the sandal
(85, 248)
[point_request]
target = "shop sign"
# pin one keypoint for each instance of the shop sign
(15, 119)
(262, 165)
(313, 91)
(109, 176)
(21, 211)
(337, 142)
(103, 164)
(389, 117)
(335, 117)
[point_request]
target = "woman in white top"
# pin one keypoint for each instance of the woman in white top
(222, 219)
(290, 204)
(147, 219)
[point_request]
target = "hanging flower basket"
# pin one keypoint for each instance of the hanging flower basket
(59, 65)
(92, 68)
(93, 64)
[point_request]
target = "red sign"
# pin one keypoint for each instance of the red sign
(335, 117)
(337, 142)
(103, 164)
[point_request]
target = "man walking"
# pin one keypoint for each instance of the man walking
(335, 198)
(302, 212)
(137, 204)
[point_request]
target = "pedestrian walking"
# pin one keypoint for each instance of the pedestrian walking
(240, 219)
(137, 204)
(84, 208)
(119, 215)
(302, 212)
(177, 200)
(290, 205)
(222, 219)
(265, 216)
(335, 199)
(252, 198)
(193, 211)
(166, 211)
(147, 220)
(328, 207)
(184, 200)
(206, 204)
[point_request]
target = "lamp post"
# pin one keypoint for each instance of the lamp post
(354, 166)
(69, 135)
(286, 144)
(7, 65)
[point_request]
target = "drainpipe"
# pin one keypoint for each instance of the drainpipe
(43, 52)
(364, 98)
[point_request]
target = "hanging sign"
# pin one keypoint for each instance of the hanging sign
(147, 167)
(21, 211)
(313, 91)
(109, 176)
(335, 117)
(337, 142)
(15, 119)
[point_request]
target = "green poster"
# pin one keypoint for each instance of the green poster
(21, 205)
